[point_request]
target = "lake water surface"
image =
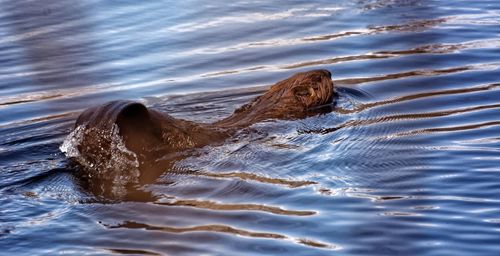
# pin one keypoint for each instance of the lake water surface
(407, 163)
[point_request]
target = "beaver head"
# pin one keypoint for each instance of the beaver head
(296, 97)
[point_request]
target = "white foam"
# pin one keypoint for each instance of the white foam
(105, 158)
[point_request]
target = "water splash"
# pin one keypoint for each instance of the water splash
(111, 165)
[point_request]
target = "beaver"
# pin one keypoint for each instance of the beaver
(149, 136)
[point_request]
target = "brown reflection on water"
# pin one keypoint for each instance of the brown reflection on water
(332, 36)
(47, 95)
(131, 252)
(418, 25)
(405, 75)
(425, 49)
(236, 207)
(221, 229)
(68, 117)
(410, 97)
(367, 5)
(414, 26)
(450, 129)
(211, 228)
(255, 177)
(384, 119)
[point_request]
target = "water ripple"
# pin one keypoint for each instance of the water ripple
(406, 162)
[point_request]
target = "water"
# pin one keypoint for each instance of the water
(407, 162)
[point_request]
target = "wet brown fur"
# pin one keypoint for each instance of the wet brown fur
(152, 135)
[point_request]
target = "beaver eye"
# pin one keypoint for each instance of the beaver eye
(302, 91)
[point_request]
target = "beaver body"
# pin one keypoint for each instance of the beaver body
(152, 135)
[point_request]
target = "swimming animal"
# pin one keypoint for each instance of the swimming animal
(143, 137)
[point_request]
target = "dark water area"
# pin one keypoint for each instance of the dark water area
(407, 163)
